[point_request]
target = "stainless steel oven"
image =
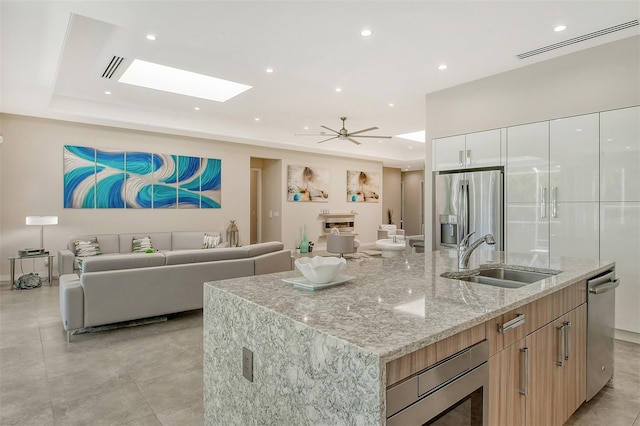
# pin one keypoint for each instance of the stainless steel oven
(451, 392)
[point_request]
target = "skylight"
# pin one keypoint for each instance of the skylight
(414, 136)
(174, 80)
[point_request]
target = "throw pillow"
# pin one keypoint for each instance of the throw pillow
(210, 241)
(87, 248)
(141, 245)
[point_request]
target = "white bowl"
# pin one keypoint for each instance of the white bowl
(320, 270)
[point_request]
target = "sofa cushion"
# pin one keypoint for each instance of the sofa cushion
(262, 248)
(122, 261)
(84, 248)
(178, 257)
(141, 244)
(108, 243)
(161, 240)
(185, 240)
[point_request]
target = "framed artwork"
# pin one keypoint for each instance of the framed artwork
(307, 184)
(363, 187)
(112, 179)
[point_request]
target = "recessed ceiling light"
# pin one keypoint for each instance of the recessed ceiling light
(413, 136)
(366, 33)
(269, 70)
(257, 118)
(196, 108)
(410, 147)
(578, 130)
(338, 89)
(442, 67)
(106, 92)
(560, 28)
(391, 105)
(174, 80)
(306, 127)
(379, 141)
(151, 37)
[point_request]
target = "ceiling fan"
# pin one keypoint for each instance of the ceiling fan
(344, 134)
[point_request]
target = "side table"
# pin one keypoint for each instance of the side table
(12, 265)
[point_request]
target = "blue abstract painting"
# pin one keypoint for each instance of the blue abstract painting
(99, 178)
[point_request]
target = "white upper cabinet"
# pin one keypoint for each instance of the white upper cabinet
(448, 153)
(573, 156)
(480, 149)
(483, 149)
(527, 171)
(620, 155)
(574, 230)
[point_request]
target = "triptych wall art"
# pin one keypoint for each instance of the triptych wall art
(111, 179)
(309, 184)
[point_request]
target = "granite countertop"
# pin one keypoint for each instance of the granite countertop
(395, 306)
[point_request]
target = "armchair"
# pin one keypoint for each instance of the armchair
(388, 231)
(341, 243)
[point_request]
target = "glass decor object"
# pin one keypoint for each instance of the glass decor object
(232, 234)
(304, 243)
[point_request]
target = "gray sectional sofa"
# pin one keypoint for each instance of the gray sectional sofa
(120, 285)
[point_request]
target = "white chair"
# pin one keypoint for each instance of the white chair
(341, 243)
(389, 231)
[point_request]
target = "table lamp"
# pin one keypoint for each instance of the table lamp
(42, 220)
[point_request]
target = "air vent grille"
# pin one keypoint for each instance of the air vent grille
(579, 39)
(112, 67)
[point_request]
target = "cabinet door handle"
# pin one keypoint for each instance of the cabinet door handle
(510, 325)
(460, 160)
(554, 201)
(524, 371)
(468, 157)
(567, 325)
(543, 202)
(561, 343)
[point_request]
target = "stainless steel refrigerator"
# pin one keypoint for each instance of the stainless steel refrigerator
(465, 202)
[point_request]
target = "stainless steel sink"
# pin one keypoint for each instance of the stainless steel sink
(501, 276)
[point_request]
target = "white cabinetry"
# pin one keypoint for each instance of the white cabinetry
(620, 208)
(480, 149)
(552, 187)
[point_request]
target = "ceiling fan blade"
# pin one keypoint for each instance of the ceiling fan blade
(353, 140)
(335, 137)
(372, 136)
(334, 131)
(363, 130)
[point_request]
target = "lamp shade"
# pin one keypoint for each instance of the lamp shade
(42, 220)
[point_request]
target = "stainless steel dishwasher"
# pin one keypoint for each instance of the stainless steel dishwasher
(600, 327)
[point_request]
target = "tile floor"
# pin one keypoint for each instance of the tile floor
(152, 374)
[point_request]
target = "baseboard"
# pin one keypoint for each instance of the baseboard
(627, 336)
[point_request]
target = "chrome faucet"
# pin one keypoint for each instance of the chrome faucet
(465, 250)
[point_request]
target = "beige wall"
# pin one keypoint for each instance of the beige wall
(596, 79)
(412, 207)
(31, 183)
(391, 199)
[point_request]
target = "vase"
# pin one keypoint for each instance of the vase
(232, 234)
(304, 243)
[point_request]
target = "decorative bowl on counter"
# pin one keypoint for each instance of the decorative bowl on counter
(319, 269)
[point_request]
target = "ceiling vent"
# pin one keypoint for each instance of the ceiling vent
(113, 66)
(579, 39)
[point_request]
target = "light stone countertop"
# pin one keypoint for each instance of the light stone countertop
(395, 306)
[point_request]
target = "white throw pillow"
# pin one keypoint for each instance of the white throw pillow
(210, 241)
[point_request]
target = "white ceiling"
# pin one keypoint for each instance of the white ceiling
(54, 52)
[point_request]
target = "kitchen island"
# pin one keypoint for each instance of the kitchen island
(320, 357)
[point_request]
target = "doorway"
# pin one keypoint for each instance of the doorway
(255, 206)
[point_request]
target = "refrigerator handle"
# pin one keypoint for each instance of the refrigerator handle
(463, 210)
(543, 202)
